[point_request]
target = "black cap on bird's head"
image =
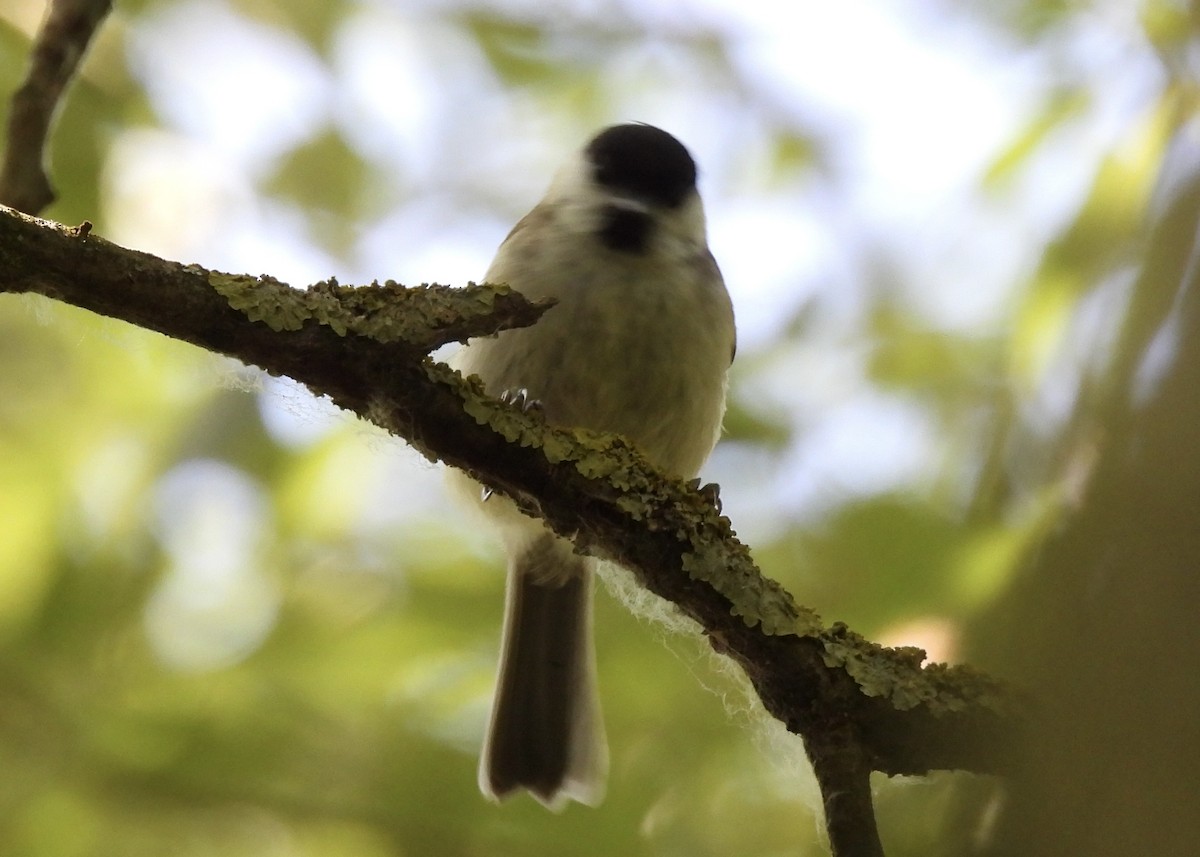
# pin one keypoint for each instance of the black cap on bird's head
(644, 162)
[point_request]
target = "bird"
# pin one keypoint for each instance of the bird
(638, 343)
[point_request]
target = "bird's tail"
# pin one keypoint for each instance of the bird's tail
(546, 733)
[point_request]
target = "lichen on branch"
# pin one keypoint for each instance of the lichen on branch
(366, 348)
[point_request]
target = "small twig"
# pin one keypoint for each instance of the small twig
(844, 776)
(60, 45)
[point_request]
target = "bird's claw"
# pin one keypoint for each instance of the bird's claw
(520, 399)
(711, 492)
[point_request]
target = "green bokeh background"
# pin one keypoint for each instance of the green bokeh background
(342, 713)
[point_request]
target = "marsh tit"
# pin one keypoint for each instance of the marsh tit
(638, 343)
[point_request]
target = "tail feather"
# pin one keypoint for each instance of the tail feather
(546, 734)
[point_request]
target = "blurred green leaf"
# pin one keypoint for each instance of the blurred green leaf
(1102, 237)
(1060, 108)
(516, 50)
(906, 354)
(750, 426)
(327, 179)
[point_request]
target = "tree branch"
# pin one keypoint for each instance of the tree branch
(61, 43)
(366, 349)
(844, 777)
